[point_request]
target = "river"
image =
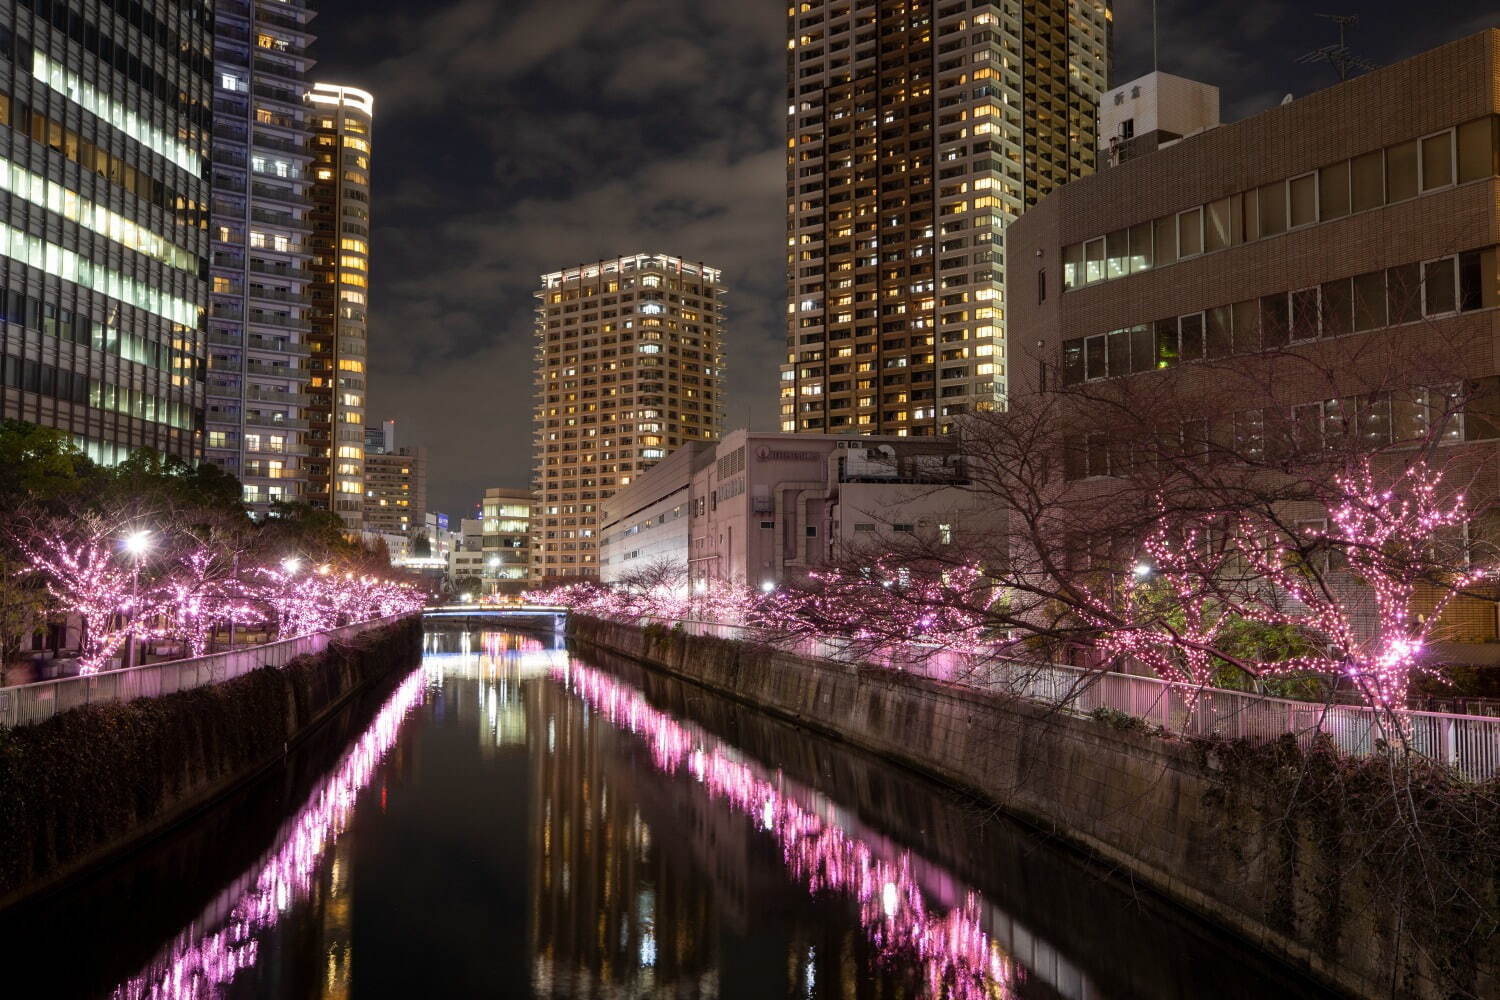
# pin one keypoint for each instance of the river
(508, 820)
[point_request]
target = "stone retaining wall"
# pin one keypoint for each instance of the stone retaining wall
(89, 783)
(1161, 810)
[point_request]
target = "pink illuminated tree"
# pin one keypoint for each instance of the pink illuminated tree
(87, 573)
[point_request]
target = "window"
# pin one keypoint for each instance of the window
(1439, 289)
(1273, 209)
(1304, 200)
(1478, 150)
(1218, 229)
(1333, 191)
(1190, 232)
(1437, 161)
(1367, 181)
(1369, 301)
(1165, 232)
(1401, 171)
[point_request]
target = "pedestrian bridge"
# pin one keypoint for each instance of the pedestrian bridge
(480, 615)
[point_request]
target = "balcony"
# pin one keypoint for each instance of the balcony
(262, 370)
(277, 269)
(265, 420)
(259, 395)
(277, 295)
(261, 318)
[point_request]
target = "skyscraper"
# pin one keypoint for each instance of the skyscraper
(103, 239)
(342, 122)
(629, 366)
(916, 131)
(257, 330)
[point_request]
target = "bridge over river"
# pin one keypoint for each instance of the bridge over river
(505, 818)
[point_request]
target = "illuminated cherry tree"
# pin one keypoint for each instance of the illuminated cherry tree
(1385, 529)
(88, 574)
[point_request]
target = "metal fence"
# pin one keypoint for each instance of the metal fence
(1469, 744)
(28, 704)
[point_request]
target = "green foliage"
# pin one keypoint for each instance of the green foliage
(1123, 721)
(39, 462)
(421, 546)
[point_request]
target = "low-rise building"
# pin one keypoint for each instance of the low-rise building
(507, 539)
(760, 506)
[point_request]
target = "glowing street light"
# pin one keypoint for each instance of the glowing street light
(1141, 570)
(766, 586)
(136, 544)
(290, 565)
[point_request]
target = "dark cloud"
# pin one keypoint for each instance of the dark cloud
(514, 138)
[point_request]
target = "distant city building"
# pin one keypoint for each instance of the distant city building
(395, 489)
(258, 323)
(916, 133)
(380, 439)
(630, 363)
(104, 243)
(342, 122)
(507, 540)
(1151, 113)
(762, 507)
(471, 535)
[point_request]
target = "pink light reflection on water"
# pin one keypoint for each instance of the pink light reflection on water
(957, 958)
(198, 961)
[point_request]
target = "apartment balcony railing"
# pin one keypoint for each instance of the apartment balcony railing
(277, 320)
(258, 395)
(276, 371)
(267, 421)
(259, 343)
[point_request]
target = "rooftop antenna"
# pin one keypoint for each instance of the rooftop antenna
(1344, 62)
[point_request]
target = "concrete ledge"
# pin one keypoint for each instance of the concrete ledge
(1147, 805)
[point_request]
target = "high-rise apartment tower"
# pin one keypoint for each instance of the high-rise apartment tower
(916, 131)
(104, 245)
(342, 122)
(258, 325)
(629, 366)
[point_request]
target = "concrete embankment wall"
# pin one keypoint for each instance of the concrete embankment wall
(1180, 817)
(92, 782)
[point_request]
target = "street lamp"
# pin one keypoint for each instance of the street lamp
(1141, 570)
(766, 586)
(290, 565)
(136, 545)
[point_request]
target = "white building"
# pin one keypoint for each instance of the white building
(1152, 112)
(762, 506)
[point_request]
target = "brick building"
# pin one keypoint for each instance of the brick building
(1327, 267)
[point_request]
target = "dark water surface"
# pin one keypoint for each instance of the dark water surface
(510, 821)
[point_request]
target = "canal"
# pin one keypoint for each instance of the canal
(508, 820)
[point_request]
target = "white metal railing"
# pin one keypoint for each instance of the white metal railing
(1469, 744)
(28, 704)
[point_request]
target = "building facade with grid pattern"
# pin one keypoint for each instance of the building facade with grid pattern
(258, 323)
(342, 122)
(917, 130)
(105, 120)
(629, 366)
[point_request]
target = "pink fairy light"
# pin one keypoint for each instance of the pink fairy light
(201, 960)
(957, 958)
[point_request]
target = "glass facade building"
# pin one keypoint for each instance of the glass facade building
(342, 122)
(917, 130)
(258, 324)
(105, 114)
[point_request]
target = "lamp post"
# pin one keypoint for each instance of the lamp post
(136, 545)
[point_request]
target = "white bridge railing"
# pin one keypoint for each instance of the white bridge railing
(28, 704)
(1469, 744)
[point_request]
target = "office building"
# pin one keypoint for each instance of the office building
(342, 122)
(395, 481)
(258, 323)
(917, 130)
(1261, 277)
(762, 507)
(104, 242)
(507, 540)
(629, 367)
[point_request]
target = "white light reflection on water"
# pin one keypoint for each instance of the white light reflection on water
(225, 938)
(957, 959)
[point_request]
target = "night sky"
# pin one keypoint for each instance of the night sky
(514, 137)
